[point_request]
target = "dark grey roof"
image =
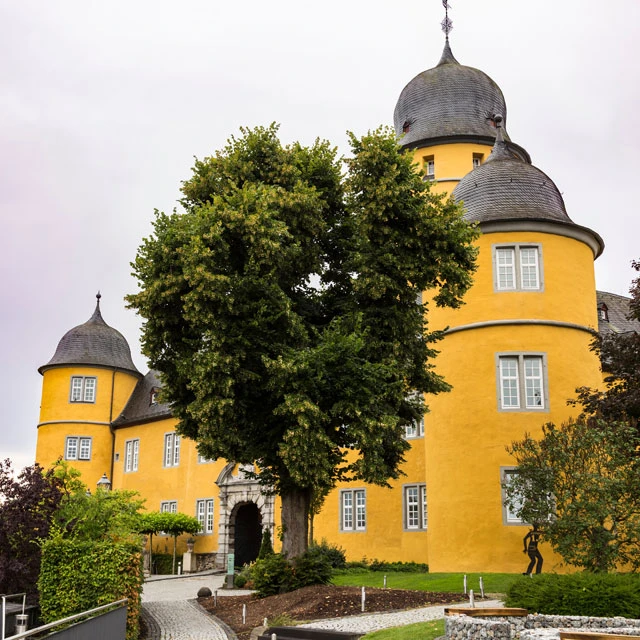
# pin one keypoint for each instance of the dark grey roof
(93, 343)
(617, 310)
(139, 407)
(506, 188)
(448, 100)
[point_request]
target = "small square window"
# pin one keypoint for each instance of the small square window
(477, 160)
(77, 448)
(522, 382)
(517, 268)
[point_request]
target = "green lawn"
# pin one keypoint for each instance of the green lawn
(452, 582)
(423, 630)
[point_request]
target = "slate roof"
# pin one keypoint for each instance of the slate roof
(448, 100)
(505, 187)
(139, 408)
(617, 310)
(93, 343)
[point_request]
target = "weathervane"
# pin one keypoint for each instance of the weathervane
(447, 25)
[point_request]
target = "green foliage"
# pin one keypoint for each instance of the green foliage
(580, 594)
(423, 630)
(312, 567)
(580, 485)
(162, 563)
(266, 547)
(77, 575)
(403, 567)
(335, 555)
(259, 363)
(28, 504)
(272, 575)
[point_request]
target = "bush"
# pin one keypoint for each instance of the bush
(266, 547)
(162, 563)
(404, 567)
(334, 554)
(272, 575)
(312, 567)
(76, 576)
(579, 594)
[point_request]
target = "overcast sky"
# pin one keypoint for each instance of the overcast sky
(103, 106)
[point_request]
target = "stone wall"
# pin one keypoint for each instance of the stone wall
(532, 627)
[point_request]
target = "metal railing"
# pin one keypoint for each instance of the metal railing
(63, 621)
(4, 608)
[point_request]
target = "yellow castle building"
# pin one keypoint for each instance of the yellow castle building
(514, 354)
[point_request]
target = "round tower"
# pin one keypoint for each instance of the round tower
(85, 386)
(514, 354)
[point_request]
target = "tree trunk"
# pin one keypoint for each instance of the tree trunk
(295, 522)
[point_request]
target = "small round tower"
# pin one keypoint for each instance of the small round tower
(85, 385)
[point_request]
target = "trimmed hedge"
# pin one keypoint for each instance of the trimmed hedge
(580, 594)
(77, 576)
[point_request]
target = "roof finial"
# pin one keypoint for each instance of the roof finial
(98, 296)
(447, 25)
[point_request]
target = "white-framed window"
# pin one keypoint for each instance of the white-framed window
(415, 507)
(517, 267)
(153, 396)
(169, 506)
(77, 448)
(415, 429)
(522, 382)
(171, 449)
(477, 160)
(131, 454)
(204, 513)
(509, 511)
(353, 507)
(83, 389)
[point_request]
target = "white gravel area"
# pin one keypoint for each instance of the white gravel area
(366, 623)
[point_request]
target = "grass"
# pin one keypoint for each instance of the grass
(451, 582)
(423, 630)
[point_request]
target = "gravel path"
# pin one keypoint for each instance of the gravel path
(366, 623)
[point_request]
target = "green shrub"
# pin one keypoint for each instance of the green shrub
(266, 547)
(272, 575)
(240, 580)
(403, 567)
(76, 576)
(334, 554)
(579, 594)
(163, 563)
(312, 567)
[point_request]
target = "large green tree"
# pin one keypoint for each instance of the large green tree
(580, 487)
(280, 309)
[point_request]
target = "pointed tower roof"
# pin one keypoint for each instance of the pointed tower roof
(450, 102)
(93, 343)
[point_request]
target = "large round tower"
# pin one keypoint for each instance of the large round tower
(518, 348)
(85, 386)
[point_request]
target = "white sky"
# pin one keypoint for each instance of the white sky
(103, 106)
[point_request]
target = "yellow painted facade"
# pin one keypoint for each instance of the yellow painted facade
(446, 510)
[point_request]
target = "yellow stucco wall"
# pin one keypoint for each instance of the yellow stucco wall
(185, 483)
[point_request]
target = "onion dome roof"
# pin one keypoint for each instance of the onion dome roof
(93, 343)
(450, 100)
(506, 189)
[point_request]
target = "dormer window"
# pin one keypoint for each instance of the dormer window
(153, 397)
(406, 126)
(429, 166)
(603, 312)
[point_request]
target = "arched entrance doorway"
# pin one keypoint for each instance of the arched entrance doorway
(247, 529)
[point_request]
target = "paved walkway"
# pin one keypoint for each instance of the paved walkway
(171, 612)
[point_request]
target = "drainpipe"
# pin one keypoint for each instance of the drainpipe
(113, 433)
